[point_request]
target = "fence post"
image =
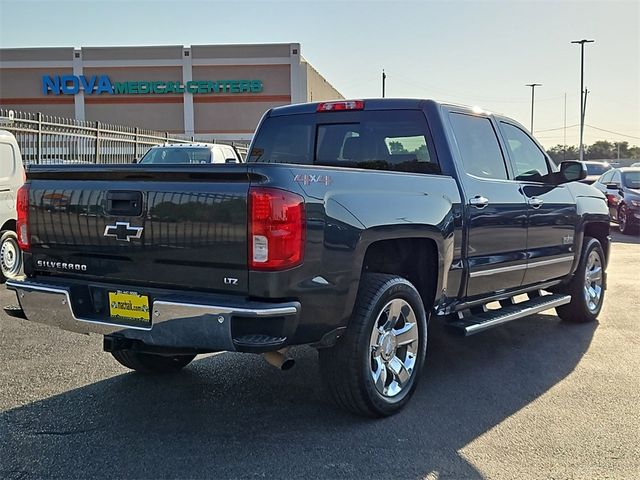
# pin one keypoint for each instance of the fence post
(97, 153)
(135, 150)
(166, 137)
(39, 160)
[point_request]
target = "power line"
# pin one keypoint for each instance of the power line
(615, 133)
(559, 128)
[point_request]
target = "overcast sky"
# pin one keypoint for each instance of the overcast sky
(471, 52)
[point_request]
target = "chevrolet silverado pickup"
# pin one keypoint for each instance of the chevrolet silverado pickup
(352, 224)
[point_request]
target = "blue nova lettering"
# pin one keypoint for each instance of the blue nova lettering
(72, 84)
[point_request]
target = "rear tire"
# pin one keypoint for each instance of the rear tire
(374, 368)
(587, 286)
(623, 220)
(151, 363)
(10, 256)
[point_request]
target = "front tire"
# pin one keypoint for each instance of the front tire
(151, 363)
(374, 368)
(587, 285)
(10, 256)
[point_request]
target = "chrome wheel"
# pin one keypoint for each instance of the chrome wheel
(593, 281)
(10, 257)
(394, 347)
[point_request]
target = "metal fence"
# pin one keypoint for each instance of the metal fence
(45, 139)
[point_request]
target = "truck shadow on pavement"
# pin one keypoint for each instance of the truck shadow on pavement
(617, 237)
(234, 416)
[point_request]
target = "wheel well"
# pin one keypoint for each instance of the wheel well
(9, 225)
(415, 259)
(599, 231)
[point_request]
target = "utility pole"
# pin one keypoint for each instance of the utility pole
(384, 78)
(533, 89)
(584, 111)
(564, 150)
(582, 92)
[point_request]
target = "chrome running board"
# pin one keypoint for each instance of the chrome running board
(489, 319)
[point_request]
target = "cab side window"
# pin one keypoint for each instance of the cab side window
(529, 162)
(479, 147)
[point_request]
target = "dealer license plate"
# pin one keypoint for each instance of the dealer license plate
(130, 307)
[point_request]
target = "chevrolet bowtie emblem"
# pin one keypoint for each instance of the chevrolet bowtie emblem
(123, 231)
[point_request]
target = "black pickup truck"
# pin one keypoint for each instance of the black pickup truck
(350, 226)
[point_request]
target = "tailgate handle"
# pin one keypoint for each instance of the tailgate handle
(124, 203)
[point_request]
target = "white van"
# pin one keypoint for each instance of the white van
(11, 178)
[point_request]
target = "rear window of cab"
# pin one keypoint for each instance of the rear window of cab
(393, 140)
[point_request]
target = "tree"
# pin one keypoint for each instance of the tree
(559, 153)
(634, 152)
(622, 148)
(397, 148)
(602, 149)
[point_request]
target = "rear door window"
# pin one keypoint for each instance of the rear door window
(479, 148)
(395, 140)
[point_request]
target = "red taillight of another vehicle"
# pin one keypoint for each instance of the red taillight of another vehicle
(22, 225)
(276, 229)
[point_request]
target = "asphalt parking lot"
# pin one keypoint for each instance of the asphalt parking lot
(536, 398)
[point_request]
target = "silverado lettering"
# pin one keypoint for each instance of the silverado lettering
(62, 265)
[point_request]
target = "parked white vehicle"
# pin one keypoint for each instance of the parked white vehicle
(179, 153)
(11, 178)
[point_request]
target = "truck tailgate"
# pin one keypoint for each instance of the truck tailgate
(168, 226)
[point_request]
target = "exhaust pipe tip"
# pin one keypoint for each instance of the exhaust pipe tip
(279, 359)
(287, 364)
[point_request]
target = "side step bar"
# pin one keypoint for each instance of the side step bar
(484, 321)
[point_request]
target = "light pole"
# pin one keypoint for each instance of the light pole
(384, 79)
(582, 42)
(533, 89)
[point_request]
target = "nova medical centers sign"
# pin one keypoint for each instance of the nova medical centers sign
(99, 84)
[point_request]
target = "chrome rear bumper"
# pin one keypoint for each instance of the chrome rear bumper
(177, 324)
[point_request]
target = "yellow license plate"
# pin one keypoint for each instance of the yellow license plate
(129, 306)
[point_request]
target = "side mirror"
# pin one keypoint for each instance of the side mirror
(612, 186)
(572, 171)
(135, 160)
(230, 160)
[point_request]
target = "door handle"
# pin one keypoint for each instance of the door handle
(479, 202)
(535, 202)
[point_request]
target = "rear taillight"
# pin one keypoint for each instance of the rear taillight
(22, 225)
(341, 105)
(276, 229)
